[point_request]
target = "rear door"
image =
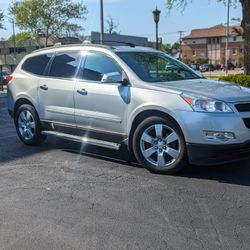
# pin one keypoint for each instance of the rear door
(56, 89)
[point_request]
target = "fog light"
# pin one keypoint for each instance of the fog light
(219, 136)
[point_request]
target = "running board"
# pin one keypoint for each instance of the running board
(85, 140)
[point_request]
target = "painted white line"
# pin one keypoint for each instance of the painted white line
(8, 136)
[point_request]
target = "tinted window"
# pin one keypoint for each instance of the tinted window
(157, 67)
(98, 64)
(65, 65)
(37, 64)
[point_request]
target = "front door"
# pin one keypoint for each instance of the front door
(101, 106)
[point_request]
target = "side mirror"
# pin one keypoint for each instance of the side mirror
(113, 77)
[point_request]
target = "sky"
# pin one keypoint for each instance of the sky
(135, 17)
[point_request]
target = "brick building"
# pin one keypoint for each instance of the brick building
(209, 45)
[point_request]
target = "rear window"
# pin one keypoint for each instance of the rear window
(37, 64)
(65, 64)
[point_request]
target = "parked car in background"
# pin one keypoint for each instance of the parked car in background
(167, 114)
(194, 66)
(5, 75)
(231, 66)
(217, 66)
(207, 67)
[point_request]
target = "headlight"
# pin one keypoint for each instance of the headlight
(205, 104)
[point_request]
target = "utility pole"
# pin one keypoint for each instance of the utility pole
(180, 42)
(101, 22)
(227, 38)
(12, 20)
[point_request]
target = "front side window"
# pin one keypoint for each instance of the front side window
(65, 64)
(98, 64)
(157, 67)
(37, 64)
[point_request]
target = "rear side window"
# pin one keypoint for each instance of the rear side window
(37, 64)
(65, 65)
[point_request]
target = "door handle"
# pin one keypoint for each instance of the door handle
(82, 92)
(44, 87)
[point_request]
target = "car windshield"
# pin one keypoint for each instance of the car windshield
(157, 67)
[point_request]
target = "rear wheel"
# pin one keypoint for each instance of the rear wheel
(159, 145)
(28, 125)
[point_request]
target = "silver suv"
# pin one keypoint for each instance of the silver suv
(167, 114)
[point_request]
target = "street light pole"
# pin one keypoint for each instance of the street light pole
(101, 22)
(156, 14)
(227, 38)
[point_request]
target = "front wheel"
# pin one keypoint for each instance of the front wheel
(159, 145)
(28, 125)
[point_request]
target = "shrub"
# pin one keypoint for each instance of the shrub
(243, 80)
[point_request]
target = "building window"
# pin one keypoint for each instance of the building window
(194, 41)
(193, 53)
(235, 38)
(234, 51)
(21, 50)
(209, 40)
(214, 40)
(11, 50)
(218, 40)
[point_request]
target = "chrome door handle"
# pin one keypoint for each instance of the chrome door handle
(44, 87)
(82, 92)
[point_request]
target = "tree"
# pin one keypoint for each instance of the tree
(112, 26)
(48, 17)
(170, 48)
(21, 38)
(245, 24)
(1, 19)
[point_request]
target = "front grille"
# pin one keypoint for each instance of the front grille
(243, 107)
(247, 122)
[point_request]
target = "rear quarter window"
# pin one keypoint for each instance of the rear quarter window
(37, 64)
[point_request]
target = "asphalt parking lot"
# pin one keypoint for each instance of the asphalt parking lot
(64, 195)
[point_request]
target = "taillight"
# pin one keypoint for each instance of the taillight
(8, 79)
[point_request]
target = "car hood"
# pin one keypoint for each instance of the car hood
(219, 90)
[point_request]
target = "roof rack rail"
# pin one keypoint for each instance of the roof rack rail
(132, 45)
(57, 44)
(86, 42)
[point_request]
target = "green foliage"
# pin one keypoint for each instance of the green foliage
(1, 19)
(243, 80)
(48, 17)
(183, 3)
(202, 60)
(170, 48)
(21, 38)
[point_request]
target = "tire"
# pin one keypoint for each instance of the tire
(159, 145)
(28, 125)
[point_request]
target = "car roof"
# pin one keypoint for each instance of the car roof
(90, 45)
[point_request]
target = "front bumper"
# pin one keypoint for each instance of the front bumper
(205, 154)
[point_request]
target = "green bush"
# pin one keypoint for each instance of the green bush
(243, 80)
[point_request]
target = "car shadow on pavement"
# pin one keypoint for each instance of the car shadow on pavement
(234, 173)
